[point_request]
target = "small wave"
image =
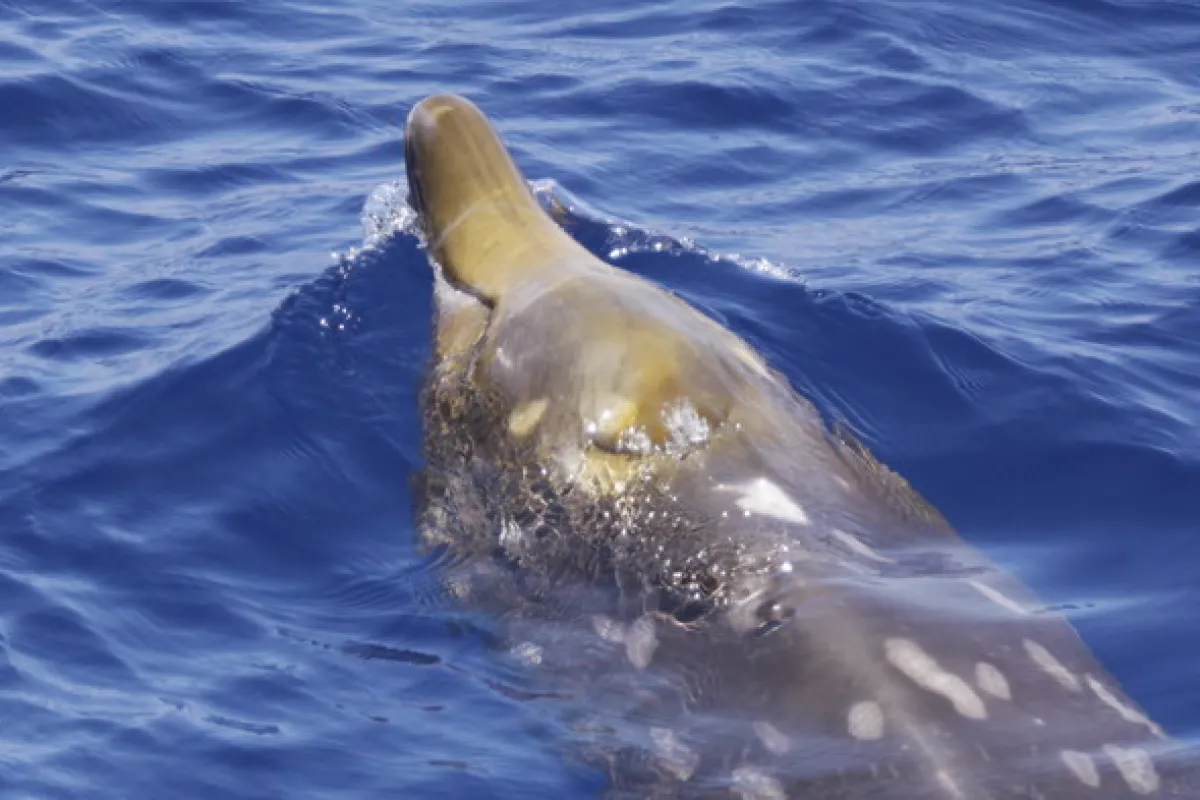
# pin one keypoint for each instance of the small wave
(386, 213)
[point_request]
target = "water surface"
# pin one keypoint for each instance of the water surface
(972, 232)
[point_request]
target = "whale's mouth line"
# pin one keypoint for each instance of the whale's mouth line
(415, 201)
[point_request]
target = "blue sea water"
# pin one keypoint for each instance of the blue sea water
(971, 230)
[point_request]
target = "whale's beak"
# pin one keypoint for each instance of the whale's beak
(414, 185)
(482, 222)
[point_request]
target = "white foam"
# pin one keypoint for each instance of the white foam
(385, 213)
(529, 652)
(625, 238)
(865, 720)
(685, 427)
(511, 537)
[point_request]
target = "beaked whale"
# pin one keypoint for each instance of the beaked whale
(757, 607)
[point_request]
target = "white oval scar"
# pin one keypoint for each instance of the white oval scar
(992, 681)
(679, 759)
(1051, 665)
(772, 738)
(761, 496)
(641, 642)
(998, 597)
(526, 416)
(1082, 767)
(608, 629)
(859, 547)
(1135, 767)
(865, 720)
(1127, 712)
(919, 667)
(751, 783)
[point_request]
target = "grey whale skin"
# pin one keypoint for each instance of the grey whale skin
(745, 603)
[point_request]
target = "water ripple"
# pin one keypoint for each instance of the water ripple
(968, 232)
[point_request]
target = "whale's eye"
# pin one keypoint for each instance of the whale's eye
(772, 615)
(692, 611)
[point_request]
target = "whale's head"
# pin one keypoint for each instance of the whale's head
(483, 224)
(599, 367)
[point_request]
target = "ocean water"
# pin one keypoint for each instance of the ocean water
(972, 231)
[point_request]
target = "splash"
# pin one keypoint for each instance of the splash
(387, 213)
(625, 238)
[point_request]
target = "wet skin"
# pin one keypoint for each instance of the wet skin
(753, 605)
